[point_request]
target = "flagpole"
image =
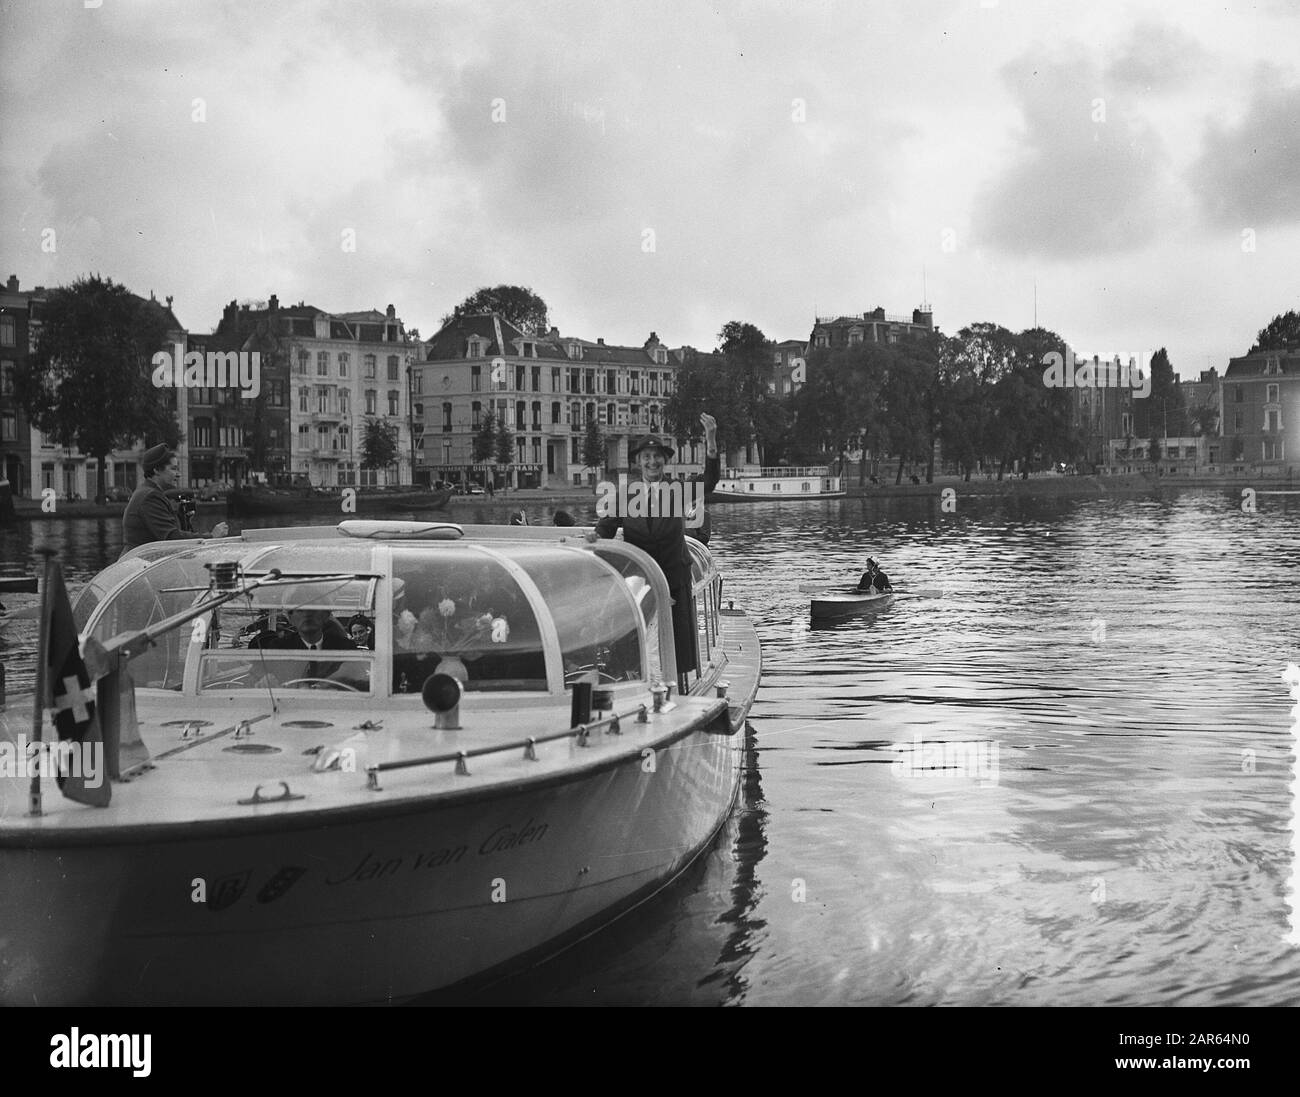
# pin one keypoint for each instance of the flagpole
(42, 676)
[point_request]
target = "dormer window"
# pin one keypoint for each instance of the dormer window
(476, 349)
(661, 356)
(574, 350)
(1272, 367)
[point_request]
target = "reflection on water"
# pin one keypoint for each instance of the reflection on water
(1066, 781)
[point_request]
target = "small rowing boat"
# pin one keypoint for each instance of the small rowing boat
(848, 602)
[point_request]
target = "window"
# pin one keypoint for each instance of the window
(275, 394)
(537, 379)
(302, 399)
(1272, 450)
(303, 358)
(203, 433)
(417, 382)
(6, 378)
(372, 398)
(1239, 394)
(820, 340)
(446, 416)
(392, 367)
(590, 417)
(369, 361)
(609, 415)
(8, 331)
(475, 349)
(611, 382)
(520, 411)
(322, 437)
(574, 349)
(537, 415)
(8, 427)
(519, 377)
(575, 415)
(393, 397)
(1236, 420)
(343, 363)
(555, 412)
(555, 379)
(590, 382)
(322, 363)
(345, 402)
(475, 415)
(635, 413)
(475, 378)
(1272, 367)
(661, 356)
(323, 400)
(1272, 420)
(652, 380)
(1271, 394)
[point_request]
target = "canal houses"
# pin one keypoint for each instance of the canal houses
(546, 388)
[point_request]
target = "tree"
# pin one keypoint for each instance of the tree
(593, 446)
(518, 304)
(89, 383)
(505, 447)
(378, 444)
(748, 355)
(1282, 331)
(485, 441)
(1165, 410)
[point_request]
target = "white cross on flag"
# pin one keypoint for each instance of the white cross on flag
(70, 696)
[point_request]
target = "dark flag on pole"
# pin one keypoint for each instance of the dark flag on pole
(70, 696)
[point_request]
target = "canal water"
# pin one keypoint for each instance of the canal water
(1068, 780)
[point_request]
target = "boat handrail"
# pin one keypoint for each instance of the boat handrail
(579, 732)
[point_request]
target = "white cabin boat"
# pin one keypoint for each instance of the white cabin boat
(752, 483)
(311, 832)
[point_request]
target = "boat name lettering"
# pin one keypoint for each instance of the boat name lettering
(507, 837)
(373, 867)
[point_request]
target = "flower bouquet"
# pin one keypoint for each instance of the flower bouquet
(436, 629)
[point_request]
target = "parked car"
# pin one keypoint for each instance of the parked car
(118, 494)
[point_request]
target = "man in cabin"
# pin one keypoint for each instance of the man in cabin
(314, 630)
(664, 537)
(873, 579)
(150, 516)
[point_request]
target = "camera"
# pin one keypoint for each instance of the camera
(186, 510)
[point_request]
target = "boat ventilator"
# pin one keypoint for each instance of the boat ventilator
(258, 798)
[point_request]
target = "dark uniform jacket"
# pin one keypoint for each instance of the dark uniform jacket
(665, 540)
(149, 516)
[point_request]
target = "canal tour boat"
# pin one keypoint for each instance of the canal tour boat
(752, 483)
(432, 808)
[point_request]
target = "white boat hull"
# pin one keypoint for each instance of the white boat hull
(447, 892)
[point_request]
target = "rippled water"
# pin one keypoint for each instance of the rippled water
(1107, 823)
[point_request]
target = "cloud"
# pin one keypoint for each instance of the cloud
(1249, 173)
(1158, 57)
(1087, 178)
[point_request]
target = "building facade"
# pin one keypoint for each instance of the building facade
(1260, 411)
(324, 377)
(876, 326)
(789, 365)
(15, 347)
(546, 388)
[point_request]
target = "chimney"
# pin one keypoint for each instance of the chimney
(228, 313)
(13, 283)
(169, 300)
(392, 313)
(274, 303)
(653, 341)
(555, 333)
(600, 342)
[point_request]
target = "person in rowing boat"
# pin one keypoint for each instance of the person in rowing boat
(873, 579)
(664, 537)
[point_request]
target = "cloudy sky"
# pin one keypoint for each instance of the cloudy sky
(670, 166)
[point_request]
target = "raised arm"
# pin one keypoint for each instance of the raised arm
(712, 463)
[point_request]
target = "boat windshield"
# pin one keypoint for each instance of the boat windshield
(595, 613)
(459, 608)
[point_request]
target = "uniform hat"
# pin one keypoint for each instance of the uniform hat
(155, 457)
(645, 442)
